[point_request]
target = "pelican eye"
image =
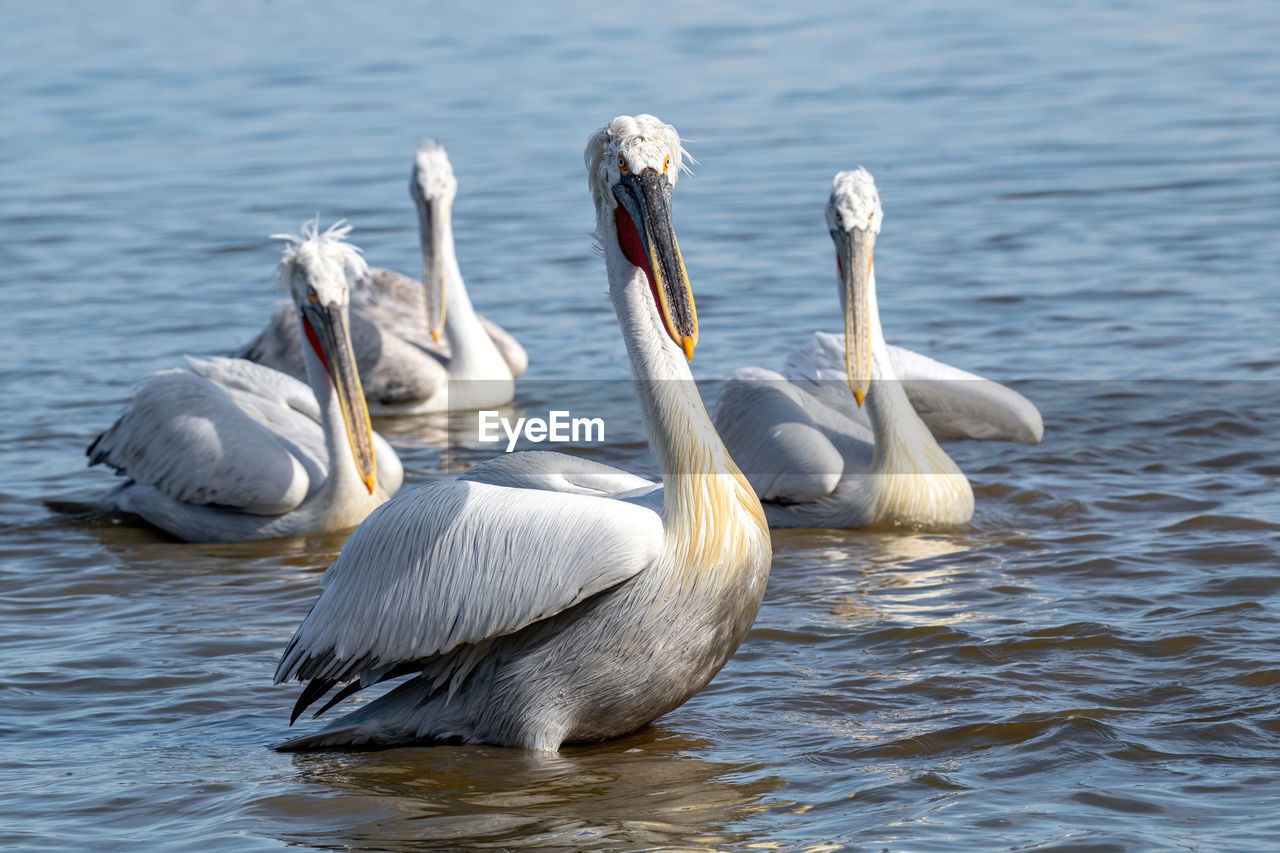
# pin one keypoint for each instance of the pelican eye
(311, 294)
(623, 165)
(870, 216)
(666, 163)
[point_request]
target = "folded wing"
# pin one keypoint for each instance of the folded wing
(953, 403)
(220, 432)
(397, 303)
(771, 429)
(455, 563)
(559, 472)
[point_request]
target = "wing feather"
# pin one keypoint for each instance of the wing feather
(456, 562)
(953, 403)
(394, 302)
(558, 472)
(204, 440)
(785, 454)
(956, 404)
(257, 391)
(397, 303)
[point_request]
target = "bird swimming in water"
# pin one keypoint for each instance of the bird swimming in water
(816, 455)
(420, 346)
(544, 599)
(224, 450)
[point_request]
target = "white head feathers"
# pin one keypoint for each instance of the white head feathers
(854, 202)
(432, 176)
(320, 260)
(644, 142)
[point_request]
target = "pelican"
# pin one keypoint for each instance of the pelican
(396, 322)
(226, 450)
(545, 599)
(811, 453)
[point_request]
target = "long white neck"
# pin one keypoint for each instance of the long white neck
(472, 353)
(343, 482)
(698, 475)
(917, 481)
(892, 416)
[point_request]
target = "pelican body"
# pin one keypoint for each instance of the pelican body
(416, 342)
(545, 599)
(226, 450)
(816, 455)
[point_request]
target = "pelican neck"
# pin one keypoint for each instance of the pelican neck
(680, 430)
(472, 353)
(902, 440)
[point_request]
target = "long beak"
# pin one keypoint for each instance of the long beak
(644, 200)
(854, 249)
(334, 336)
(431, 227)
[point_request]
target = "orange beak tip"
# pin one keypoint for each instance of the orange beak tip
(687, 345)
(859, 396)
(369, 483)
(435, 336)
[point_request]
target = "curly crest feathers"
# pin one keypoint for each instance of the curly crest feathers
(854, 195)
(644, 140)
(314, 251)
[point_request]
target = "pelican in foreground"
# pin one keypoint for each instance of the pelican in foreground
(545, 599)
(815, 455)
(412, 339)
(224, 450)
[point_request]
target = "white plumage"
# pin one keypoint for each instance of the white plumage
(413, 339)
(542, 598)
(815, 455)
(955, 404)
(224, 449)
(448, 577)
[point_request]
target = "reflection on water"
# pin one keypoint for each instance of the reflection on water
(851, 568)
(654, 789)
(432, 430)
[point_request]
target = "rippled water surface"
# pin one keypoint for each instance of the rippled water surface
(1084, 203)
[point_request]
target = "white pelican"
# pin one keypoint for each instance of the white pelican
(225, 450)
(546, 599)
(802, 439)
(396, 322)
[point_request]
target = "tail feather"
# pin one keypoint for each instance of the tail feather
(315, 688)
(404, 715)
(350, 736)
(338, 697)
(353, 735)
(72, 506)
(92, 450)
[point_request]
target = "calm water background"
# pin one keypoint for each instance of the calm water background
(1085, 201)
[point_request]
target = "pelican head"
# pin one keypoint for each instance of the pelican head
(315, 267)
(632, 166)
(853, 218)
(433, 187)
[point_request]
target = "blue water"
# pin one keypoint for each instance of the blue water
(1085, 201)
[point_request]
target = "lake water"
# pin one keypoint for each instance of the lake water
(1084, 203)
